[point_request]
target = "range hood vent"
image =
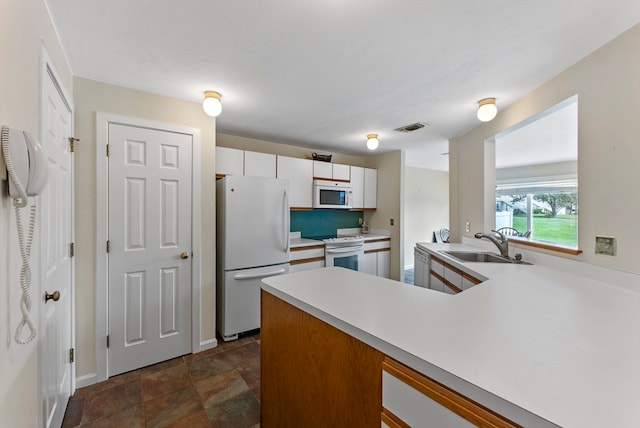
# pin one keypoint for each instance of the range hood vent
(412, 127)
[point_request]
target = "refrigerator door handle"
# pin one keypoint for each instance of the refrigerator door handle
(259, 275)
(286, 222)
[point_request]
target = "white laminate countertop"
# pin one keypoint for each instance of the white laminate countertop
(304, 242)
(562, 347)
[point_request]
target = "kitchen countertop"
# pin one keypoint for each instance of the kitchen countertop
(562, 347)
(304, 242)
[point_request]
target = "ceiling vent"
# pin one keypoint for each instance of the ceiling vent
(412, 127)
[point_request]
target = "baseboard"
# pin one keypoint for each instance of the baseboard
(86, 380)
(208, 344)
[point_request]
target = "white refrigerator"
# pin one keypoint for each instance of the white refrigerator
(252, 218)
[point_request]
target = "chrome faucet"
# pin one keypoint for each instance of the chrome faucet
(502, 244)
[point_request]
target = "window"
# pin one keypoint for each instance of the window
(536, 177)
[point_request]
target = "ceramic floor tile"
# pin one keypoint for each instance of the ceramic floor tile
(250, 370)
(107, 402)
(171, 408)
(164, 381)
(242, 411)
(169, 364)
(197, 419)
(241, 355)
(216, 389)
(133, 417)
(73, 414)
(219, 387)
(207, 367)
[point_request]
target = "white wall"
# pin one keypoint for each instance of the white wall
(24, 27)
(426, 206)
(608, 87)
(91, 97)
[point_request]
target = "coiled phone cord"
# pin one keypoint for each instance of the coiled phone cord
(25, 245)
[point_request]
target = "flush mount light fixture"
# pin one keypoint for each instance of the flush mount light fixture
(487, 109)
(212, 104)
(372, 141)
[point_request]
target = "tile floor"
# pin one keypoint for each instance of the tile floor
(219, 387)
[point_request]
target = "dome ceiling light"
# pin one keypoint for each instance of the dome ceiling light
(372, 141)
(212, 103)
(487, 109)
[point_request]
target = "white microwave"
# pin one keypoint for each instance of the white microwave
(331, 194)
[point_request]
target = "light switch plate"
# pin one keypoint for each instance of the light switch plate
(605, 245)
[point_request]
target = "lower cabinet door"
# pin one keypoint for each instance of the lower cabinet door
(416, 409)
(370, 264)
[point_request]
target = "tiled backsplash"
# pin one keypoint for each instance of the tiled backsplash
(317, 223)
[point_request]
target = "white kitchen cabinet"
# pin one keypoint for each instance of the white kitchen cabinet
(420, 266)
(299, 172)
(370, 264)
(370, 188)
(383, 263)
(259, 164)
(331, 171)
(306, 258)
(341, 172)
(377, 257)
(357, 187)
(229, 161)
(322, 170)
(407, 396)
(448, 278)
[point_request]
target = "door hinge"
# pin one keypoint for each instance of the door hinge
(107, 340)
(72, 249)
(72, 356)
(108, 150)
(72, 144)
(108, 246)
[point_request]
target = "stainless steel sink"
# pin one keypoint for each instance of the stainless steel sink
(477, 257)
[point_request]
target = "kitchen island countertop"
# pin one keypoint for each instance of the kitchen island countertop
(532, 342)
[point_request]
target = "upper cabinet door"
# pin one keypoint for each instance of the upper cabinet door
(322, 170)
(299, 172)
(259, 164)
(229, 161)
(357, 186)
(341, 172)
(370, 188)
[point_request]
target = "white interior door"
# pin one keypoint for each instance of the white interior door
(56, 233)
(150, 195)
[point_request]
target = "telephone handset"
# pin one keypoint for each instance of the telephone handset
(26, 164)
(27, 168)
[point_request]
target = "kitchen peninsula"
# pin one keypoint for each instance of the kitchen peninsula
(530, 346)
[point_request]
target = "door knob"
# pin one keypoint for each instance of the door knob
(55, 296)
(184, 255)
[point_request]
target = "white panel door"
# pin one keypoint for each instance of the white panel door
(56, 234)
(149, 246)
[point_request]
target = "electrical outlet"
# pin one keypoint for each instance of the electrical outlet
(391, 222)
(605, 245)
(467, 227)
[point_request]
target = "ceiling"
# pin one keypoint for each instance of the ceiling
(324, 73)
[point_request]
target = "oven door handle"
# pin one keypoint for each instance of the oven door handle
(343, 250)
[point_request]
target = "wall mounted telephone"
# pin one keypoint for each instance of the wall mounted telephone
(27, 168)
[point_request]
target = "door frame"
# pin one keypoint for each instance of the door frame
(49, 71)
(103, 120)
